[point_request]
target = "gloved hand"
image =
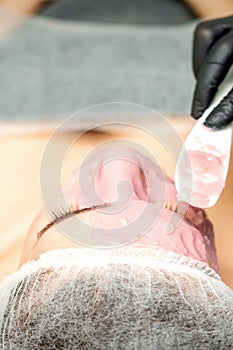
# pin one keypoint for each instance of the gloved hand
(212, 58)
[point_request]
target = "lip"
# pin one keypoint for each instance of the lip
(178, 227)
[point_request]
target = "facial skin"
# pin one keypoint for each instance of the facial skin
(150, 189)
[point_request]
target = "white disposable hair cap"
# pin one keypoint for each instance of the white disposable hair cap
(125, 298)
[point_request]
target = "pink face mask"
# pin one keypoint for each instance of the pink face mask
(143, 210)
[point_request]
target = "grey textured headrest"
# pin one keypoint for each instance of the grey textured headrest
(52, 68)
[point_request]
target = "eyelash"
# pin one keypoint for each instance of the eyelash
(61, 213)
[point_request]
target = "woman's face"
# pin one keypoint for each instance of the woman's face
(142, 210)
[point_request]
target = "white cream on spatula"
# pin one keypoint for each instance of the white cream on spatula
(203, 161)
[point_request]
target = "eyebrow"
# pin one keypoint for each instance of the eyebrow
(66, 215)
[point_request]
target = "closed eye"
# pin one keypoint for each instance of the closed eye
(62, 214)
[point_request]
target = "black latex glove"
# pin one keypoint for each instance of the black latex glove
(212, 58)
